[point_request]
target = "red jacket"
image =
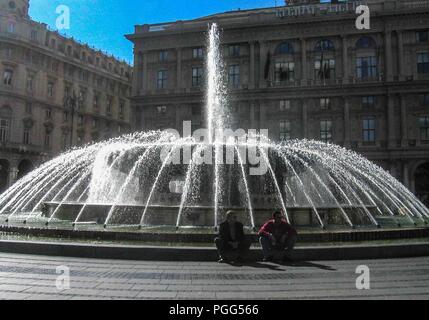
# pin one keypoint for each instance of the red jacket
(285, 228)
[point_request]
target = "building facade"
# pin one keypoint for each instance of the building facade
(54, 93)
(302, 71)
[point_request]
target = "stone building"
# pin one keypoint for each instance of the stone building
(54, 93)
(302, 70)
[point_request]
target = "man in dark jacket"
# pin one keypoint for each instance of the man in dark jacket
(277, 235)
(231, 238)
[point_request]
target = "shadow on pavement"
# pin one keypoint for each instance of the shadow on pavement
(276, 266)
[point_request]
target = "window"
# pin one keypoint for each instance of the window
(8, 77)
(424, 100)
(81, 98)
(366, 67)
(325, 68)
(4, 129)
(366, 43)
(94, 123)
(80, 120)
(197, 76)
(197, 53)
(284, 48)
(325, 45)
(162, 79)
(369, 130)
(11, 27)
(28, 108)
(50, 89)
(234, 51)
(422, 36)
(423, 62)
(234, 75)
(161, 110)
(285, 130)
(368, 101)
(326, 130)
(33, 35)
(10, 52)
(284, 71)
(53, 43)
(284, 105)
(424, 128)
(163, 56)
(109, 105)
(65, 116)
(47, 139)
(30, 79)
(96, 102)
(325, 103)
(121, 109)
(26, 136)
(48, 113)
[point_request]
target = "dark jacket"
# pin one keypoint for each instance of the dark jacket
(225, 232)
(285, 228)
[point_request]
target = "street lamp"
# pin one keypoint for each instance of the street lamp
(72, 103)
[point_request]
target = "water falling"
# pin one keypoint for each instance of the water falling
(126, 181)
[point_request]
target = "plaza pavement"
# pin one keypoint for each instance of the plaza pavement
(35, 277)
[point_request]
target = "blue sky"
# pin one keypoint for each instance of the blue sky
(103, 23)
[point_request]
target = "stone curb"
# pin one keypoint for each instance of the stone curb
(151, 253)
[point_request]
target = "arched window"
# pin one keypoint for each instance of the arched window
(5, 122)
(284, 48)
(366, 42)
(324, 45)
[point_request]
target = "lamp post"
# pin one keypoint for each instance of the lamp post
(72, 104)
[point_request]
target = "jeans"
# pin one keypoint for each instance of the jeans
(269, 250)
(223, 247)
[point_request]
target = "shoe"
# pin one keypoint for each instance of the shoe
(268, 259)
(287, 259)
(222, 260)
(239, 260)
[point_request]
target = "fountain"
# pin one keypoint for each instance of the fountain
(147, 179)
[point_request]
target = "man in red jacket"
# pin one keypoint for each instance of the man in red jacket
(277, 235)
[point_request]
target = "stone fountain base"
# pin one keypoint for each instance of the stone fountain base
(199, 216)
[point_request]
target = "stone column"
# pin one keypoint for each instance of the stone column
(391, 121)
(179, 70)
(347, 128)
(388, 56)
(304, 119)
(345, 60)
(252, 114)
(252, 65)
(145, 77)
(303, 62)
(262, 116)
(138, 73)
(404, 126)
(263, 54)
(401, 70)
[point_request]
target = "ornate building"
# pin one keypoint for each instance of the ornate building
(54, 93)
(302, 71)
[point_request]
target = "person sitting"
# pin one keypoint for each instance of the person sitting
(277, 235)
(231, 238)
